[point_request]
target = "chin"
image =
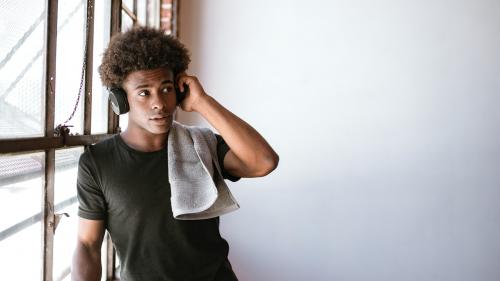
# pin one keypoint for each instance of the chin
(159, 131)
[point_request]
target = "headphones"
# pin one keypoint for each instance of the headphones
(119, 102)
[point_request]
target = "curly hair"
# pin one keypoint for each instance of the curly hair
(141, 48)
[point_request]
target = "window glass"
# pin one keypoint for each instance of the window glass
(22, 68)
(20, 216)
(129, 4)
(65, 202)
(104, 256)
(154, 14)
(127, 22)
(141, 12)
(102, 12)
(70, 53)
(123, 122)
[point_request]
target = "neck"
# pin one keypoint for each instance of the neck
(144, 141)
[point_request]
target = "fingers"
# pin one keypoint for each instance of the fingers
(182, 79)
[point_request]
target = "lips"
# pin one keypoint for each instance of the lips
(159, 119)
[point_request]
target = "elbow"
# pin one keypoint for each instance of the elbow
(269, 164)
(86, 263)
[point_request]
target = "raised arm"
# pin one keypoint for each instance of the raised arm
(250, 154)
(87, 257)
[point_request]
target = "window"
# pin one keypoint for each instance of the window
(49, 54)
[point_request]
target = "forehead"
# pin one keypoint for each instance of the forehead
(148, 77)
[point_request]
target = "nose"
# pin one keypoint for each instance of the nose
(157, 101)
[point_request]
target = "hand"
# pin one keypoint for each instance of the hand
(194, 96)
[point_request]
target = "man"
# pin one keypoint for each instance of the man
(123, 183)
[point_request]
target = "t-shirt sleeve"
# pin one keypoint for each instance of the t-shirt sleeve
(92, 204)
(222, 149)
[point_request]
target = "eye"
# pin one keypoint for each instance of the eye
(143, 93)
(167, 89)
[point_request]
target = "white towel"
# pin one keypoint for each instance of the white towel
(198, 190)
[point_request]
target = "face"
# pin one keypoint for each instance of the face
(152, 100)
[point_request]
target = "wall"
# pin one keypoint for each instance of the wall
(386, 117)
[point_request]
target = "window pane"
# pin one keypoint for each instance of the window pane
(104, 248)
(20, 216)
(123, 122)
(141, 12)
(70, 49)
(129, 4)
(64, 242)
(154, 14)
(22, 68)
(127, 22)
(66, 171)
(102, 12)
(65, 202)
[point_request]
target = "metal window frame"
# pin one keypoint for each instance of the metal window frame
(49, 174)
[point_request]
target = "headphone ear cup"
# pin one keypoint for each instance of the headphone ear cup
(119, 102)
(181, 95)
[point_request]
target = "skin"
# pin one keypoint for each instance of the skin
(152, 102)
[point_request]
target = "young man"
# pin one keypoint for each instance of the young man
(123, 184)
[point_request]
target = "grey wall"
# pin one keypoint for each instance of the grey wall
(386, 118)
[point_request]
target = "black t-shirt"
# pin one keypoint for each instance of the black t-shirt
(129, 190)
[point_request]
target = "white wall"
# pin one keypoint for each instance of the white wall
(386, 116)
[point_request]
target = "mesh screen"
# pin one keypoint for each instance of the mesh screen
(21, 68)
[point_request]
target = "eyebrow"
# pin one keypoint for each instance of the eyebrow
(147, 85)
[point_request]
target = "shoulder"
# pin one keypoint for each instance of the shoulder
(99, 151)
(105, 145)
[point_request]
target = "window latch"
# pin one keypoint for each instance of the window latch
(57, 219)
(62, 130)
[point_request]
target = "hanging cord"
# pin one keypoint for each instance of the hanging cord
(63, 129)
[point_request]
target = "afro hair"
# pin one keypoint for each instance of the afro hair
(141, 48)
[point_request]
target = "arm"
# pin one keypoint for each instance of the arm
(250, 154)
(87, 257)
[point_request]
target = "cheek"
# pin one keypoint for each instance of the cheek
(171, 101)
(136, 107)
